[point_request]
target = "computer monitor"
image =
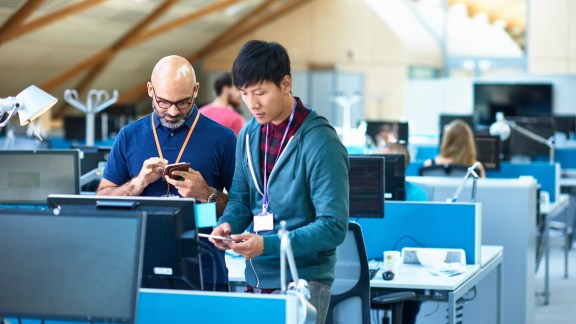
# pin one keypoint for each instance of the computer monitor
(171, 247)
(77, 266)
(387, 131)
(92, 156)
(395, 176)
(367, 178)
(488, 151)
(28, 177)
(75, 128)
(566, 124)
(446, 119)
(522, 145)
(513, 99)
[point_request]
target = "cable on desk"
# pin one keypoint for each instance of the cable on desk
(206, 250)
(406, 237)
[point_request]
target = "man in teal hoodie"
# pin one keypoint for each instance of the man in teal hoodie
(290, 166)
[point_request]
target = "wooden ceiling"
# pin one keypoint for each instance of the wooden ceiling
(513, 12)
(113, 44)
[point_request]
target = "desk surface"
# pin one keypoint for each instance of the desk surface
(551, 209)
(410, 276)
(417, 277)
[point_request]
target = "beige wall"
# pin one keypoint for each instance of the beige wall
(348, 35)
(552, 40)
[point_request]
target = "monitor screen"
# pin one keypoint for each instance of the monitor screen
(566, 124)
(395, 176)
(446, 119)
(522, 145)
(28, 177)
(171, 247)
(385, 131)
(79, 266)
(513, 99)
(488, 151)
(92, 156)
(75, 128)
(367, 178)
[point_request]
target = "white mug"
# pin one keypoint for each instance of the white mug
(392, 261)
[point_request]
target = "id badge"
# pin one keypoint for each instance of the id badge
(263, 222)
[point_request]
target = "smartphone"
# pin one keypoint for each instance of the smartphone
(216, 237)
(170, 168)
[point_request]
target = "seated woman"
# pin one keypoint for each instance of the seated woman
(457, 147)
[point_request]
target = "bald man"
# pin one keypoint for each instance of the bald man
(174, 132)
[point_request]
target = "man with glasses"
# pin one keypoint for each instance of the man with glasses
(174, 132)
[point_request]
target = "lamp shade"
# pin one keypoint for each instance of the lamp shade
(33, 102)
(500, 127)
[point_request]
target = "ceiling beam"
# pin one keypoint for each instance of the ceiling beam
(16, 20)
(50, 18)
(184, 20)
(98, 65)
(248, 27)
(230, 30)
(259, 16)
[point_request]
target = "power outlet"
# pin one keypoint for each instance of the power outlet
(453, 255)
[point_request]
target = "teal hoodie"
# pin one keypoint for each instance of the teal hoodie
(308, 188)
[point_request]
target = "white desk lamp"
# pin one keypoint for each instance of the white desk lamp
(299, 287)
(474, 175)
(502, 128)
(30, 104)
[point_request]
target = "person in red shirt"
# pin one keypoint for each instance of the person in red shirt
(225, 108)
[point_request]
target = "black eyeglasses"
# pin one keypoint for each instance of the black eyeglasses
(165, 104)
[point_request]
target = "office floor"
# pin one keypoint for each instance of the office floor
(562, 307)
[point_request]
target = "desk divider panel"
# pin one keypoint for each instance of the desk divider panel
(547, 175)
(432, 224)
(566, 156)
(170, 306)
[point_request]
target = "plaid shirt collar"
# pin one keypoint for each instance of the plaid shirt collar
(275, 134)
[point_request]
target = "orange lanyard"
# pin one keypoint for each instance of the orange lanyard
(183, 145)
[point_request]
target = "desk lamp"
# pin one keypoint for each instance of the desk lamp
(299, 287)
(502, 128)
(474, 175)
(30, 104)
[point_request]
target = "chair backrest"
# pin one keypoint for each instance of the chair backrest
(350, 302)
(443, 170)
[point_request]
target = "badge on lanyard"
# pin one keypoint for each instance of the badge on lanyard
(264, 221)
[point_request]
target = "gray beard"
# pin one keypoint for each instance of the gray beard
(168, 124)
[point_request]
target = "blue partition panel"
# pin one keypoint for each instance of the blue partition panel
(424, 224)
(209, 307)
(566, 156)
(424, 152)
(547, 175)
(414, 167)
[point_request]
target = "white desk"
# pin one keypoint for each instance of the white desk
(551, 210)
(417, 278)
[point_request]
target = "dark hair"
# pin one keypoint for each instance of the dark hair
(260, 61)
(223, 80)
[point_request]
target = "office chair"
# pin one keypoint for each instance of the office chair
(350, 302)
(443, 170)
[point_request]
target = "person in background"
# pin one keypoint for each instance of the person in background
(175, 132)
(225, 108)
(457, 147)
(413, 192)
(290, 166)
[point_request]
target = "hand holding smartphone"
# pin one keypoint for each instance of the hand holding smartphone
(170, 168)
(216, 237)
